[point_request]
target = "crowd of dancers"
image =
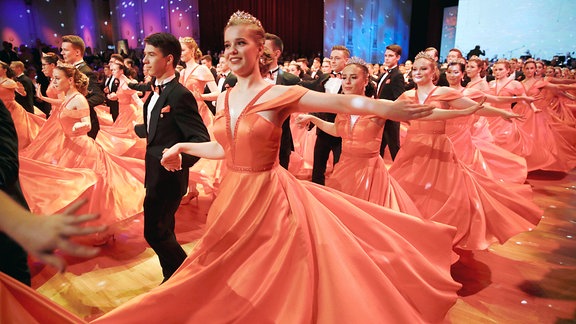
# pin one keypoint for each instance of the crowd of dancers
(353, 244)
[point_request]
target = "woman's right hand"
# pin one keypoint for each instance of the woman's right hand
(303, 120)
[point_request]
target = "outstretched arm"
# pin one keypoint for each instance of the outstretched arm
(172, 157)
(43, 235)
(49, 100)
(464, 107)
(507, 99)
(214, 92)
(314, 101)
(327, 127)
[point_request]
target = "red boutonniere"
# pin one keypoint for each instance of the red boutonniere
(387, 81)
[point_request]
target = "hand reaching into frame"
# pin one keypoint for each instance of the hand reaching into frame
(42, 236)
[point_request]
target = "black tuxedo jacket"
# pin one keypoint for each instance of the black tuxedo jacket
(174, 119)
(111, 88)
(95, 95)
(26, 101)
(283, 78)
(229, 82)
(13, 259)
(518, 75)
(9, 157)
(392, 87)
(142, 86)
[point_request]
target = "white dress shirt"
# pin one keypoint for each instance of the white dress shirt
(154, 99)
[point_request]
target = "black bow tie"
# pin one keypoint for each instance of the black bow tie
(337, 74)
(271, 72)
(158, 88)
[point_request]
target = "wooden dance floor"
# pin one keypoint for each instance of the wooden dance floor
(530, 279)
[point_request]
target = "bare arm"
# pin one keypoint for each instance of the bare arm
(567, 95)
(172, 157)
(43, 235)
(463, 106)
(560, 81)
(139, 103)
(327, 127)
(47, 99)
(314, 101)
(214, 92)
(507, 99)
(80, 102)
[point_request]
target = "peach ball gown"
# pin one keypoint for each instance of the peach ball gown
(446, 190)
(361, 171)
(474, 145)
(118, 191)
(51, 137)
(555, 140)
(281, 250)
(27, 125)
(206, 172)
(120, 138)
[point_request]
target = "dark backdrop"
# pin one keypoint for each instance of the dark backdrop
(426, 24)
(299, 23)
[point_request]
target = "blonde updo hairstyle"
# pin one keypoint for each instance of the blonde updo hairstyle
(503, 62)
(241, 18)
(80, 79)
(480, 64)
(432, 61)
(191, 44)
(266, 60)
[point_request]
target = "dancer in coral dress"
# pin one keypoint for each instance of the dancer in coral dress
(120, 138)
(278, 250)
(50, 138)
(27, 125)
(118, 193)
(361, 171)
(471, 143)
(508, 135)
(195, 77)
(555, 139)
(444, 189)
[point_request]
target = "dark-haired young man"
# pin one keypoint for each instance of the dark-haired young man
(170, 117)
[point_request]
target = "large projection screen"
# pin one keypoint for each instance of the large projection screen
(515, 28)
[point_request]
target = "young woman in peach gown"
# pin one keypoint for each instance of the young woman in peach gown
(508, 135)
(443, 187)
(27, 125)
(281, 250)
(361, 171)
(555, 140)
(196, 77)
(558, 106)
(120, 138)
(50, 138)
(475, 149)
(475, 70)
(119, 192)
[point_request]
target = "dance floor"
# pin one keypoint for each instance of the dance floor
(530, 279)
